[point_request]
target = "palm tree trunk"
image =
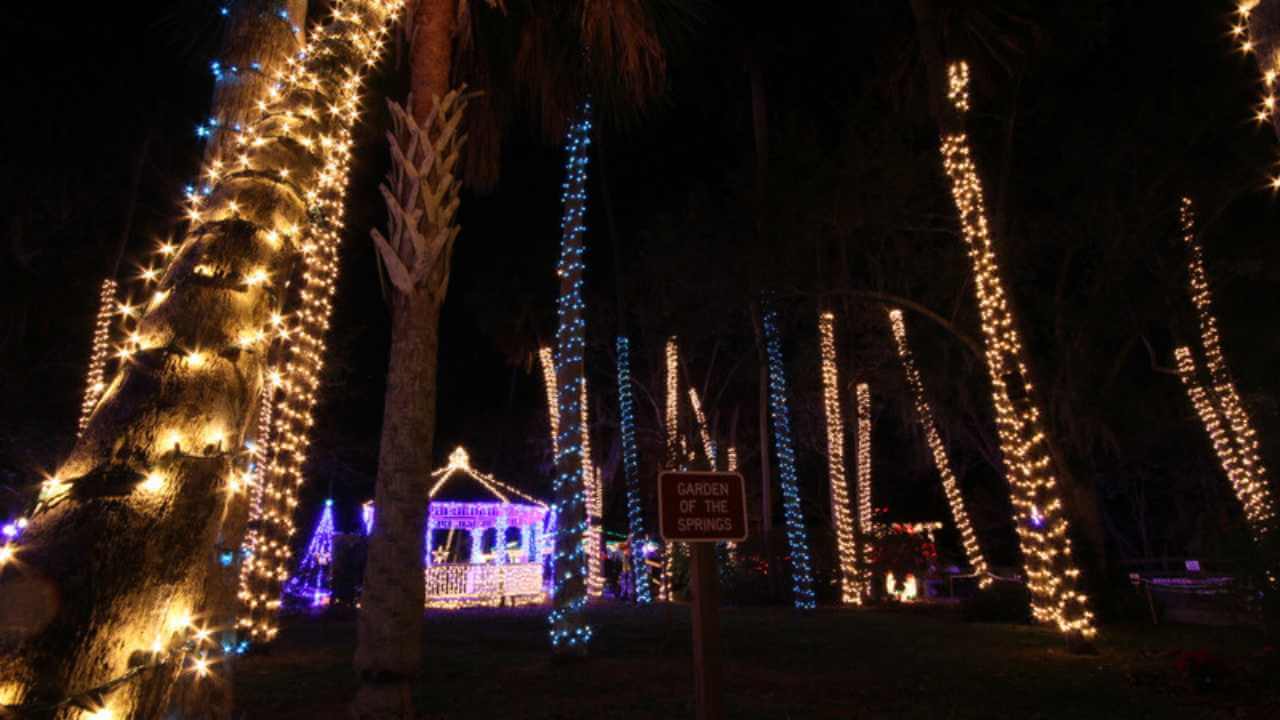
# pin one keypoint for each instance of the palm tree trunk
(569, 632)
(127, 540)
(1041, 520)
(417, 257)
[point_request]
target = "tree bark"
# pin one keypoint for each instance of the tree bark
(125, 545)
(389, 651)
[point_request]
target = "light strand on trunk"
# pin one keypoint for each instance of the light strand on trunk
(1052, 575)
(314, 105)
(553, 404)
(595, 505)
(569, 631)
(866, 520)
(950, 486)
(672, 367)
(708, 443)
(851, 590)
(631, 467)
(94, 382)
(793, 514)
(1256, 508)
(1251, 473)
(672, 453)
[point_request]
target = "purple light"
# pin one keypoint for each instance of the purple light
(366, 517)
(10, 530)
(315, 572)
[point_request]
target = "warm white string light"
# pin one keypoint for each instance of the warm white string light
(95, 379)
(1257, 509)
(553, 404)
(1052, 575)
(595, 506)
(708, 443)
(851, 590)
(1243, 462)
(968, 539)
(673, 454)
(314, 105)
(673, 402)
(862, 397)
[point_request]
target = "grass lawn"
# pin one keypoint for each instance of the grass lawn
(830, 663)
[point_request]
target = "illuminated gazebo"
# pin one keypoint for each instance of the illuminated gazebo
(487, 543)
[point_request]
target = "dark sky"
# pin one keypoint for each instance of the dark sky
(1140, 84)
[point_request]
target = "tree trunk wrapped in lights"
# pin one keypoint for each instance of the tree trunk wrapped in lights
(866, 521)
(972, 550)
(570, 633)
(595, 504)
(421, 195)
(95, 378)
(1052, 575)
(1221, 409)
(851, 590)
(631, 467)
(151, 484)
(310, 115)
(797, 535)
(1254, 499)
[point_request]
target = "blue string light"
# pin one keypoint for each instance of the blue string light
(569, 561)
(797, 537)
(631, 465)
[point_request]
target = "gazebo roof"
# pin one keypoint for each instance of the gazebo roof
(459, 481)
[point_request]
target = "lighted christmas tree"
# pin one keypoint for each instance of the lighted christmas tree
(313, 582)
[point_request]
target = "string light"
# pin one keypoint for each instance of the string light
(1052, 575)
(851, 590)
(1242, 31)
(595, 506)
(862, 404)
(797, 536)
(672, 355)
(972, 550)
(95, 383)
(569, 632)
(1243, 461)
(673, 454)
(553, 404)
(1254, 499)
(708, 444)
(631, 467)
(313, 104)
(313, 583)
(183, 639)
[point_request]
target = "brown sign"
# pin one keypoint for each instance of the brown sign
(702, 506)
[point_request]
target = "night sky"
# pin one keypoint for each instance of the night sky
(1091, 119)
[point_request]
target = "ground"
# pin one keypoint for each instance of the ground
(831, 663)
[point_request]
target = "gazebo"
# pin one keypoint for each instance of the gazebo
(487, 543)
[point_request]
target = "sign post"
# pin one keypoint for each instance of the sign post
(701, 509)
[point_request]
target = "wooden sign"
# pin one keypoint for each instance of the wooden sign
(702, 506)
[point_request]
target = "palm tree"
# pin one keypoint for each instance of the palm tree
(1043, 529)
(452, 43)
(153, 484)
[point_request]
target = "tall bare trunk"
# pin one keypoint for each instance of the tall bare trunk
(417, 256)
(118, 577)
